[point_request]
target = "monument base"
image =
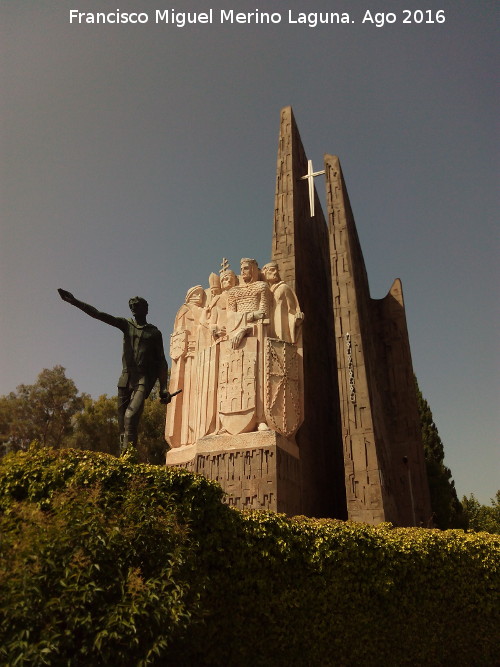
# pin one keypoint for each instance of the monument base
(259, 470)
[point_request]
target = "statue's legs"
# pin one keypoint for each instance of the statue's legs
(124, 394)
(130, 408)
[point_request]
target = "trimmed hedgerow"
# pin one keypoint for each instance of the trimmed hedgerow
(108, 562)
(97, 557)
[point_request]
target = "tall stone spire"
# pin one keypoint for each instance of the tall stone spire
(383, 452)
(300, 246)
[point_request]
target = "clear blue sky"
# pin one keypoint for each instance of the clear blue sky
(135, 157)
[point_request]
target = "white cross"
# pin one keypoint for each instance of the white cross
(310, 177)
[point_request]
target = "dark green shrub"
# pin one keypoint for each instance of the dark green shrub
(108, 562)
(325, 592)
(97, 558)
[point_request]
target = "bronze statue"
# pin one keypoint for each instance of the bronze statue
(143, 363)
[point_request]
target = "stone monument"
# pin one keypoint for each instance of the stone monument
(306, 409)
(360, 445)
(238, 358)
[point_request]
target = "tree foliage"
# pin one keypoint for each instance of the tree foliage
(42, 411)
(53, 413)
(482, 517)
(96, 561)
(95, 427)
(152, 447)
(445, 505)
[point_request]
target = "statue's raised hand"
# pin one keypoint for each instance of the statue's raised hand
(66, 296)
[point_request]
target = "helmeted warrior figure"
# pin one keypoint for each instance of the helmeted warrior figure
(247, 303)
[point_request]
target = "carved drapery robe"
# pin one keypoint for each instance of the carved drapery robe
(285, 311)
(184, 344)
(217, 312)
(207, 413)
(207, 366)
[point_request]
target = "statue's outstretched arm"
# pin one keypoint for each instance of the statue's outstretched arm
(118, 322)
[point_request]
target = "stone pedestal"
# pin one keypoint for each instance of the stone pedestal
(259, 470)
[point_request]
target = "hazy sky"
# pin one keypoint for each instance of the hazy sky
(135, 157)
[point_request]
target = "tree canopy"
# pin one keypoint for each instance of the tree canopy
(52, 412)
(445, 505)
(482, 517)
(95, 427)
(42, 411)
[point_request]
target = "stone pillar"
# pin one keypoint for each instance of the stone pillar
(384, 467)
(300, 246)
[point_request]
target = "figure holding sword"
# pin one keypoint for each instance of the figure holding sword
(143, 363)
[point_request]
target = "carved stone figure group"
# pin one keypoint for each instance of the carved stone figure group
(237, 355)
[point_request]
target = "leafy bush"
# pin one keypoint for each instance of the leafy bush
(325, 592)
(97, 558)
(109, 562)
(482, 517)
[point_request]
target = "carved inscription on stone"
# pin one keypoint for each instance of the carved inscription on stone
(350, 368)
(254, 478)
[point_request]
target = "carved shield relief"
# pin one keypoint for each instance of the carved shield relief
(237, 386)
(282, 403)
(178, 344)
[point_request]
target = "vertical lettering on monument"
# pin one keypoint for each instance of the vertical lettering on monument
(350, 368)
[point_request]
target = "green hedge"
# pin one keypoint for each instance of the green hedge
(106, 562)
